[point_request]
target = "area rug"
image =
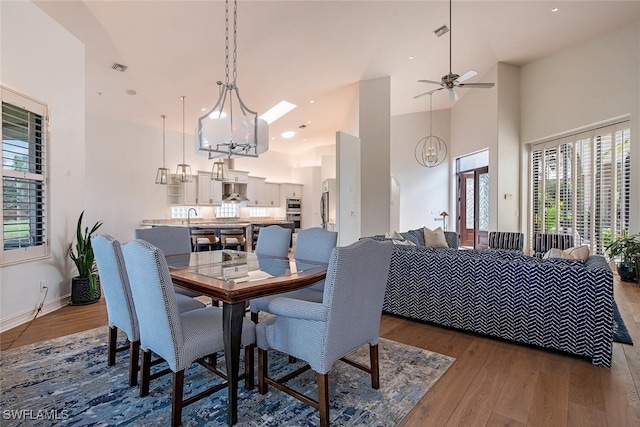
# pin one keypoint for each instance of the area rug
(620, 332)
(67, 380)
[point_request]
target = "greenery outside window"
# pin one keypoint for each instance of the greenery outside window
(580, 185)
(24, 178)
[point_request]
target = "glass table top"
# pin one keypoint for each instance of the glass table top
(237, 266)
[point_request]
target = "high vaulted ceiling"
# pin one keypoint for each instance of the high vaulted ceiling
(304, 51)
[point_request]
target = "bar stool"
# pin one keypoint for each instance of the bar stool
(204, 240)
(232, 239)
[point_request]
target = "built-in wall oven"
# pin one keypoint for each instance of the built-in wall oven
(294, 204)
(294, 211)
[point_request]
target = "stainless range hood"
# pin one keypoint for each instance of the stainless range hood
(232, 192)
(234, 195)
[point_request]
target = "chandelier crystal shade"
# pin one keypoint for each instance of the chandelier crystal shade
(163, 176)
(431, 150)
(230, 128)
(183, 171)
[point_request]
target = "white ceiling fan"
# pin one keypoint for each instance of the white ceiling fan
(451, 81)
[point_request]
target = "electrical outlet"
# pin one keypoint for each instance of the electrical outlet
(43, 285)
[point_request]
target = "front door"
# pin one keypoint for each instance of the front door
(473, 208)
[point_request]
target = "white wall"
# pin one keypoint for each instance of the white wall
(474, 127)
(44, 61)
(584, 85)
(423, 191)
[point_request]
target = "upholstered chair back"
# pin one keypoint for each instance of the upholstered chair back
(155, 301)
(170, 240)
(115, 284)
(506, 240)
(315, 244)
(273, 241)
(542, 242)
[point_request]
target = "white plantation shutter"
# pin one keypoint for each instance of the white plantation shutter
(24, 184)
(580, 185)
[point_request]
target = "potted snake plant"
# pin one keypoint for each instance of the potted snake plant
(85, 287)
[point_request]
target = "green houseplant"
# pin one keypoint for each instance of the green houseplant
(623, 248)
(85, 287)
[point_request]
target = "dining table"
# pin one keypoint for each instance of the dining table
(234, 278)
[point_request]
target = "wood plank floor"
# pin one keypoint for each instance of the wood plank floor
(492, 383)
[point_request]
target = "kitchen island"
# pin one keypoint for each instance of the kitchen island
(250, 226)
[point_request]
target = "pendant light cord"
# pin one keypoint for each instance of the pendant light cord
(164, 165)
(450, 37)
(430, 111)
(183, 149)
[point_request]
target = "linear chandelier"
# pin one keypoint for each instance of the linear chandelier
(230, 128)
(430, 151)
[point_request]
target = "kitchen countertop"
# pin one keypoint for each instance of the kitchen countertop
(213, 222)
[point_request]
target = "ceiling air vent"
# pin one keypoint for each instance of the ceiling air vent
(119, 67)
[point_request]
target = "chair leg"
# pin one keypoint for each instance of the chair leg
(111, 345)
(375, 367)
(323, 398)
(249, 381)
(145, 373)
(134, 356)
(176, 398)
(263, 370)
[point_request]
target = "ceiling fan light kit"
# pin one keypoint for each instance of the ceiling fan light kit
(230, 128)
(451, 81)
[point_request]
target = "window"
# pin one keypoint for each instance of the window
(24, 178)
(580, 185)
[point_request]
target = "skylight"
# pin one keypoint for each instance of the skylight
(277, 111)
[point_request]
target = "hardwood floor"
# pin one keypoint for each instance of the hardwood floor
(492, 383)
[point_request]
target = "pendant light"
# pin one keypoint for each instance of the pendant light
(164, 174)
(230, 128)
(430, 151)
(183, 172)
(219, 172)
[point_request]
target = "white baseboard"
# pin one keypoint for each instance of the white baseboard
(18, 319)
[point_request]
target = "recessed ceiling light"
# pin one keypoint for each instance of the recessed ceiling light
(555, 9)
(131, 92)
(203, 109)
(312, 101)
(411, 57)
(277, 111)
(288, 134)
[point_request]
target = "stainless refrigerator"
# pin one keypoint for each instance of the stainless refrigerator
(328, 204)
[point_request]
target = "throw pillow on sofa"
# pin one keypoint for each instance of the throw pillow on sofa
(576, 252)
(398, 239)
(435, 238)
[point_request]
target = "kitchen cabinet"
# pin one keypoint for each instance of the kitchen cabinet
(272, 194)
(209, 192)
(256, 191)
(237, 177)
(292, 190)
(183, 193)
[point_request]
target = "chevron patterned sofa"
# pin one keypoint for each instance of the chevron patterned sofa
(559, 304)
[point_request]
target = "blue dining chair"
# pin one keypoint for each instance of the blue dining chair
(121, 311)
(273, 241)
(171, 241)
(322, 333)
(179, 338)
(313, 245)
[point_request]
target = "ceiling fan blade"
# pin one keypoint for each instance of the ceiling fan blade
(453, 96)
(427, 93)
(429, 81)
(467, 75)
(478, 85)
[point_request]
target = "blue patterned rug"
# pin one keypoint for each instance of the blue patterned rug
(67, 381)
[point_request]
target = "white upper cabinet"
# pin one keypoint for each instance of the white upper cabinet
(209, 192)
(185, 193)
(272, 194)
(237, 177)
(291, 190)
(256, 191)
